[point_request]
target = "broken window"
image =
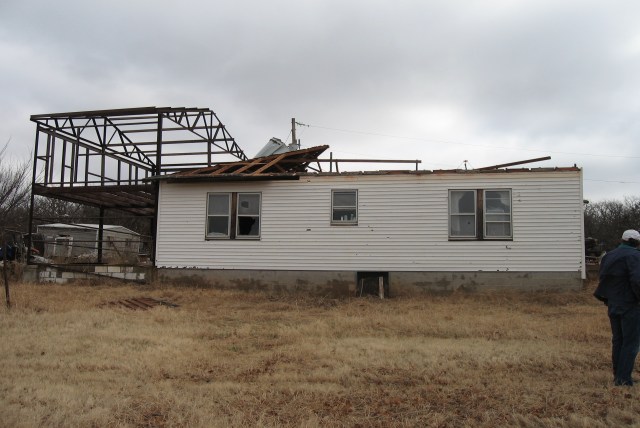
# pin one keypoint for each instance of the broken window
(249, 215)
(233, 215)
(344, 207)
(480, 214)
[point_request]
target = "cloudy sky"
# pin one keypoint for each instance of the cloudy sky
(442, 81)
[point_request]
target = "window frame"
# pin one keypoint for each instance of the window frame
(481, 216)
(486, 214)
(237, 216)
(475, 216)
(333, 207)
(229, 216)
(233, 215)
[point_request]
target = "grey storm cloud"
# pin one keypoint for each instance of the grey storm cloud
(443, 81)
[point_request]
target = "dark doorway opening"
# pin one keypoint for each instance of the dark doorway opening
(372, 284)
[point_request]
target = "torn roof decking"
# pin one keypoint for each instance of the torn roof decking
(280, 166)
(295, 164)
(101, 157)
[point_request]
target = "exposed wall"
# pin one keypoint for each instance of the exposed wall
(402, 227)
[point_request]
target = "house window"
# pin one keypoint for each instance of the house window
(248, 215)
(233, 215)
(497, 214)
(480, 214)
(462, 213)
(218, 215)
(344, 207)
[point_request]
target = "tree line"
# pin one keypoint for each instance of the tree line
(606, 220)
(15, 199)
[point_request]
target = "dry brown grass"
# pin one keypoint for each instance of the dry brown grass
(234, 359)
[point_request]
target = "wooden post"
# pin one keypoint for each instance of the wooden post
(5, 274)
(381, 286)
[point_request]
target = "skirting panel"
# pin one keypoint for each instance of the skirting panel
(345, 283)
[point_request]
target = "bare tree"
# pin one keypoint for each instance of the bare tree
(14, 190)
(606, 220)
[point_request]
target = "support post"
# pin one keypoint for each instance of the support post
(34, 175)
(5, 268)
(156, 191)
(100, 234)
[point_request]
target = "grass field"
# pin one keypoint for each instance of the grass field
(235, 359)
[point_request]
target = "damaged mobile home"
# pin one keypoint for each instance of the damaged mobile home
(269, 223)
(282, 221)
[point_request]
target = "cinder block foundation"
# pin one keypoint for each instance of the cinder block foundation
(344, 283)
(66, 274)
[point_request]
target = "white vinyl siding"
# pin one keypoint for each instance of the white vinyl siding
(403, 225)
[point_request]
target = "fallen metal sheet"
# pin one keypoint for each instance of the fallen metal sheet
(142, 303)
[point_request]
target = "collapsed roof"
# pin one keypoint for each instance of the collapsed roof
(113, 158)
(278, 166)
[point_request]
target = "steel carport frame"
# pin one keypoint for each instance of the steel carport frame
(102, 157)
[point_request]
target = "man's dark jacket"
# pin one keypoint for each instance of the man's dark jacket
(620, 277)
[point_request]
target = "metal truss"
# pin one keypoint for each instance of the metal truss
(102, 157)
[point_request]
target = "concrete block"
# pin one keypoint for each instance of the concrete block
(113, 269)
(117, 275)
(131, 276)
(30, 274)
(101, 269)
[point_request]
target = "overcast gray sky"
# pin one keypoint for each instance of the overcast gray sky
(442, 81)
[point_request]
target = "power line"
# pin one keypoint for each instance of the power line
(612, 181)
(469, 144)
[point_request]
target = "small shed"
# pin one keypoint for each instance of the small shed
(80, 242)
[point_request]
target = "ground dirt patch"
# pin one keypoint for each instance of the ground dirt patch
(225, 358)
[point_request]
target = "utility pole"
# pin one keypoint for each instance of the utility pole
(293, 131)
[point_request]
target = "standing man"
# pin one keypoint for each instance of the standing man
(619, 289)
